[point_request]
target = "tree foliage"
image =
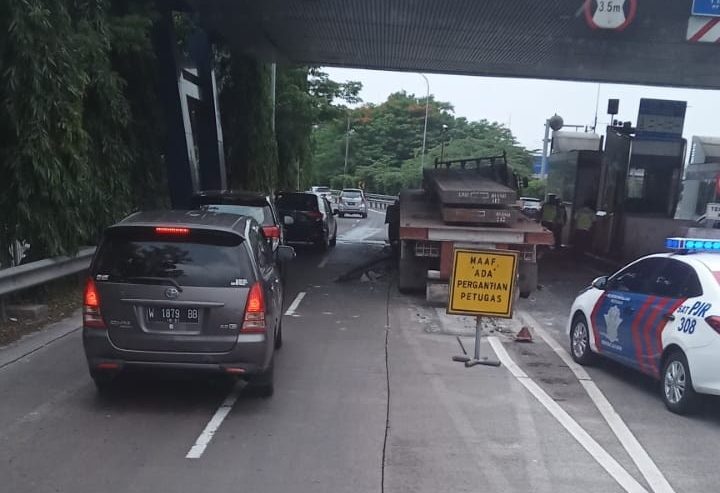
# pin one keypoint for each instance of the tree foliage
(306, 97)
(84, 133)
(385, 143)
(67, 154)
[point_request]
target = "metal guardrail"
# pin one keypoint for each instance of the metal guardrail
(26, 276)
(376, 201)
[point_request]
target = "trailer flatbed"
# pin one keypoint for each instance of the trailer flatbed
(468, 186)
(422, 220)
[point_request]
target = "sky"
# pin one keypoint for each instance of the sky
(523, 105)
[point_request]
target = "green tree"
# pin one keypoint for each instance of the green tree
(386, 143)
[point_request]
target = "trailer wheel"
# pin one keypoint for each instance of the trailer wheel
(412, 272)
(528, 278)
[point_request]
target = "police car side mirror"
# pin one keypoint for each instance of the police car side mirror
(600, 283)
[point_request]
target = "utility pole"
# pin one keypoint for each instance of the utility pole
(347, 148)
(427, 106)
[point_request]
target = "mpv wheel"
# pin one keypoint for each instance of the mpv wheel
(263, 385)
(323, 244)
(278, 336)
(104, 381)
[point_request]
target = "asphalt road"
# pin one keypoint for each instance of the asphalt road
(367, 400)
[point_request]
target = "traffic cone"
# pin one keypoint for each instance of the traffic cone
(524, 335)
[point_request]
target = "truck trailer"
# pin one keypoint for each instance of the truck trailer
(464, 203)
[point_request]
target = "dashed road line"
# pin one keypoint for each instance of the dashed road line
(601, 456)
(650, 471)
(197, 450)
(295, 303)
(324, 262)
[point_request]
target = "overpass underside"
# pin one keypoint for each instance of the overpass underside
(640, 42)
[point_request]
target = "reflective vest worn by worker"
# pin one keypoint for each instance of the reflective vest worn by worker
(584, 219)
(549, 213)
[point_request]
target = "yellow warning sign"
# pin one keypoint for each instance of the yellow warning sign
(483, 283)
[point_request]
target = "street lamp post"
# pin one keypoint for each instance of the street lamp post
(347, 148)
(427, 106)
(442, 146)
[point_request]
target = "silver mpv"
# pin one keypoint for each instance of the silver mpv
(188, 290)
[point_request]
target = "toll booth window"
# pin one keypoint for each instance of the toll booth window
(635, 181)
(706, 194)
(648, 189)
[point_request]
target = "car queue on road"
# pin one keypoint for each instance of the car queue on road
(201, 289)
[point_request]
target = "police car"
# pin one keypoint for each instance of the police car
(659, 315)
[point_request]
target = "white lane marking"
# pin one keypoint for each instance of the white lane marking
(650, 471)
(606, 461)
(197, 450)
(324, 262)
(377, 212)
(295, 303)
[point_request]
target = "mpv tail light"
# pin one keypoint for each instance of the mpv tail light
(254, 322)
(714, 322)
(169, 230)
(271, 232)
(317, 215)
(91, 307)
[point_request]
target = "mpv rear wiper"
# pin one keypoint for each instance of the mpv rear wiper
(157, 279)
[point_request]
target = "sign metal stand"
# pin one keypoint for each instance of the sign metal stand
(476, 359)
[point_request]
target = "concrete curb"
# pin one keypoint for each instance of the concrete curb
(38, 340)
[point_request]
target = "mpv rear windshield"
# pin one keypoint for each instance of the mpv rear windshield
(351, 194)
(297, 202)
(262, 215)
(207, 259)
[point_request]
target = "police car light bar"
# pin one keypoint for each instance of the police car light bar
(695, 244)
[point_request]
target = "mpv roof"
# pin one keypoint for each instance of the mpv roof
(314, 194)
(232, 196)
(197, 219)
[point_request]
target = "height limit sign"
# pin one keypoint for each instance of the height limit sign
(483, 283)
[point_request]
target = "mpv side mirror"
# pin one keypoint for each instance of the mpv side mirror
(288, 220)
(600, 283)
(285, 253)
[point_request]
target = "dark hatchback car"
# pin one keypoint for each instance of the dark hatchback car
(254, 204)
(186, 290)
(308, 218)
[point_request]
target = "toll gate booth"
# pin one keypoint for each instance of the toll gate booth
(574, 172)
(701, 183)
(632, 179)
(640, 182)
(575, 177)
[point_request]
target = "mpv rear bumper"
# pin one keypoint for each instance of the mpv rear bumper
(251, 355)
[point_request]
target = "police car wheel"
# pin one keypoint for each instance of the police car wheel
(676, 385)
(580, 341)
